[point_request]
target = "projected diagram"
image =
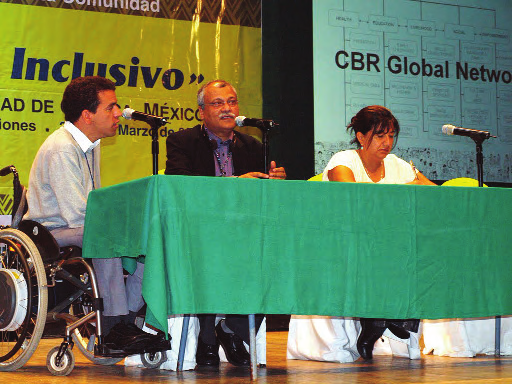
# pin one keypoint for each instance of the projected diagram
(431, 64)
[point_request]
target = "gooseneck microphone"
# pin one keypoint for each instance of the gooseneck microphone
(5, 171)
(131, 114)
(449, 129)
(243, 121)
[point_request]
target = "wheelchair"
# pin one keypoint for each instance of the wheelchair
(42, 284)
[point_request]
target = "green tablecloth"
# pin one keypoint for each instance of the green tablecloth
(225, 245)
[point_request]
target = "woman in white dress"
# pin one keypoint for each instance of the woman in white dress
(375, 131)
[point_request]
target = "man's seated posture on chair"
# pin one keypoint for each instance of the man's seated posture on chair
(65, 170)
(215, 149)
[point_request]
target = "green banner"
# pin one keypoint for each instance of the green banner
(158, 54)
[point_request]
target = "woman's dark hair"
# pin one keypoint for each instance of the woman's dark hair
(82, 94)
(373, 118)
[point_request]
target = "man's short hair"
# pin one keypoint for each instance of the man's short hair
(82, 94)
(219, 83)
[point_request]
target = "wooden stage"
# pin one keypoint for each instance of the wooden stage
(383, 369)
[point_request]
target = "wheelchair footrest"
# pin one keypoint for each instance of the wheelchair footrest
(111, 350)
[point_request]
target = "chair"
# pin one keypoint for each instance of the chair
(29, 259)
(316, 177)
(462, 182)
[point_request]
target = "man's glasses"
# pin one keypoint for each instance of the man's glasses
(220, 104)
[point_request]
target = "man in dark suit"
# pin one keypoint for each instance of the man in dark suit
(216, 149)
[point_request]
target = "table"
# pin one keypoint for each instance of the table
(226, 245)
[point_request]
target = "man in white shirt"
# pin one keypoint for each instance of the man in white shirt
(65, 170)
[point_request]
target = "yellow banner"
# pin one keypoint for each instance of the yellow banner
(158, 64)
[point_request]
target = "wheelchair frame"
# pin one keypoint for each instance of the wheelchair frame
(24, 296)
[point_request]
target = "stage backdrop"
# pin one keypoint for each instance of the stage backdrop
(432, 63)
(158, 52)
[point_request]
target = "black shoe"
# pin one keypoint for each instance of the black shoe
(131, 329)
(130, 339)
(397, 329)
(207, 355)
(156, 343)
(233, 347)
(370, 333)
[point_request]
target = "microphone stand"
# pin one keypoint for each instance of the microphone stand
(264, 139)
(264, 126)
(479, 161)
(479, 139)
(155, 149)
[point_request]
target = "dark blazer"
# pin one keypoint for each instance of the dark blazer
(189, 152)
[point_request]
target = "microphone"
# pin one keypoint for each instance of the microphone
(262, 124)
(449, 129)
(131, 114)
(5, 171)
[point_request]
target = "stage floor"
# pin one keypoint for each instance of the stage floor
(383, 369)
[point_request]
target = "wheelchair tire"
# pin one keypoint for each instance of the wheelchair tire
(153, 360)
(66, 364)
(19, 257)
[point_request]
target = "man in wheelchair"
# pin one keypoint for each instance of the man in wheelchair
(66, 168)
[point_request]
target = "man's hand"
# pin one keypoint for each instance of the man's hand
(276, 173)
(254, 175)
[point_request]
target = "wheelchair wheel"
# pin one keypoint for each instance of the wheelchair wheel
(23, 299)
(84, 336)
(64, 367)
(153, 359)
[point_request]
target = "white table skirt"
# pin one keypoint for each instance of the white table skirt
(466, 337)
(334, 339)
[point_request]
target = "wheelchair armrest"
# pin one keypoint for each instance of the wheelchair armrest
(42, 238)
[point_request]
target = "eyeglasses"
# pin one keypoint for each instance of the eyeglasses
(219, 104)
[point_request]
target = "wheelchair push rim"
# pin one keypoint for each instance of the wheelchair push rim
(23, 324)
